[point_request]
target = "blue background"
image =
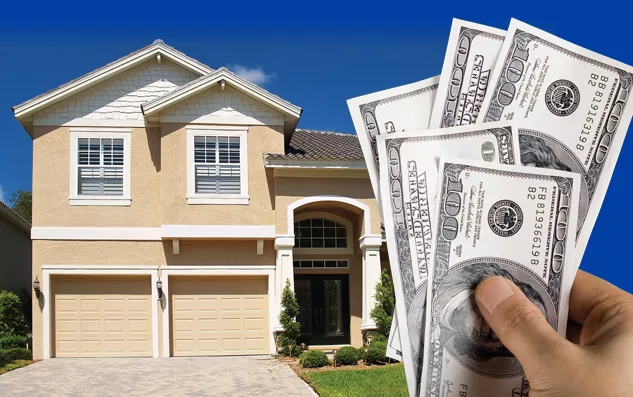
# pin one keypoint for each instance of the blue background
(321, 53)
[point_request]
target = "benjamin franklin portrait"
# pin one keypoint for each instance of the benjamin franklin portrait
(536, 153)
(466, 334)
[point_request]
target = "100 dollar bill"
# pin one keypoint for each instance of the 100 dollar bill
(409, 162)
(576, 103)
(493, 220)
(403, 108)
(471, 54)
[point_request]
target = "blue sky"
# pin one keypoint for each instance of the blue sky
(315, 54)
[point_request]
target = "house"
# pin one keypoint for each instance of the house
(15, 251)
(172, 202)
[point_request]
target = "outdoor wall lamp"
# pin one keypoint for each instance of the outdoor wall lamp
(159, 287)
(36, 287)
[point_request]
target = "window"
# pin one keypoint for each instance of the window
(217, 166)
(311, 263)
(100, 167)
(322, 233)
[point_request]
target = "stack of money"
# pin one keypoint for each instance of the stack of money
(499, 166)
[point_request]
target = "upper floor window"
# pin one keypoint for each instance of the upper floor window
(321, 232)
(100, 167)
(217, 159)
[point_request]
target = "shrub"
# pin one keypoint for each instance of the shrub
(9, 340)
(11, 315)
(287, 319)
(348, 355)
(377, 352)
(15, 354)
(313, 359)
(382, 313)
(376, 337)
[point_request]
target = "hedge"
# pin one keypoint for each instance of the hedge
(313, 359)
(15, 354)
(348, 355)
(10, 340)
(377, 352)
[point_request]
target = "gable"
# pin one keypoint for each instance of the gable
(117, 101)
(224, 106)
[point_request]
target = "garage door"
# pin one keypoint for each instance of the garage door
(219, 316)
(102, 316)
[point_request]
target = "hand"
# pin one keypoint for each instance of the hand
(597, 360)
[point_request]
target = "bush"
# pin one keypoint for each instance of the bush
(287, 319)
(382, 313)
(377, 352)
(348, 355)
(376, 337)
(15, 354)
(9, 340)
(11, 315)
(313, 359)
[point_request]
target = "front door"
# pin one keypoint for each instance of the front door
(324, 308)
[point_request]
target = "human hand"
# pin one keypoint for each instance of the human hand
(597, 360)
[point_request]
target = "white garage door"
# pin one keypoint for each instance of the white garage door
(102, 316)
(219, 316)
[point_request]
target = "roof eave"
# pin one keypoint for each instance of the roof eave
(31, 106)
(14, 218)
(326, 164)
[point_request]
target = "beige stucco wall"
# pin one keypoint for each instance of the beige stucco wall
(260, 211)
(51, 181)
(15, 257)
(290, 189)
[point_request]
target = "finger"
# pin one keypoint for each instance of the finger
(587, 293)
(519, 324)
(573, 332)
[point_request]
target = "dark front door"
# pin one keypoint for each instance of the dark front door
(324, 308)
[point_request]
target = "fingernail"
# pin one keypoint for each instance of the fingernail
(492, 291)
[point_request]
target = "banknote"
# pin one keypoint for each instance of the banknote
(578, 107)
(494, 220)
(403, 108)
(394, 347)
(408, 181)
(471, 54)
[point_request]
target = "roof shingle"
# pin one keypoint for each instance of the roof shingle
(321, 145)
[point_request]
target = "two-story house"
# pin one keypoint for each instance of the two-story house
(172, 201)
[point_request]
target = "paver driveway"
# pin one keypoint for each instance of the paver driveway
(173, 377)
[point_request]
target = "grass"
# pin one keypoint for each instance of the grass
(15, 364)
(384, 381)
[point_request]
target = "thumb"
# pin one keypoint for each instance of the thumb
(518, 323)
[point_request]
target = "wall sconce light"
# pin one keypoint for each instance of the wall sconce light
(36, 287)
(159, 287)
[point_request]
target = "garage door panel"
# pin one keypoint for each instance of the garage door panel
(100, 316)
(215, 315)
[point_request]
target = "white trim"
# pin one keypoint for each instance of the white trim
(225, 199)
(85, 122)
(370, 241)
(192, 196)
(96, 233)
(243, 270)
(211, 80)
(218, 231)
(92, 78)
(349, 231)
(284, 241)
(217, 119)
(315, 199)
(79, 270)
(315, 164)
(118, 133)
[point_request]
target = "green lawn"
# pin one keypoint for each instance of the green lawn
(374, 382)
(15, 364)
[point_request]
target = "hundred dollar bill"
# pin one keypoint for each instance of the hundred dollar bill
(470, 56)
(493, 220)
(394, 347)
(577, 101)
(408, 181)
(403, 108)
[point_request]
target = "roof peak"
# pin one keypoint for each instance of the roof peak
(158, 41)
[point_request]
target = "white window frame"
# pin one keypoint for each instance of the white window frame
(327, 251)
(115, 133)
(218, 131)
